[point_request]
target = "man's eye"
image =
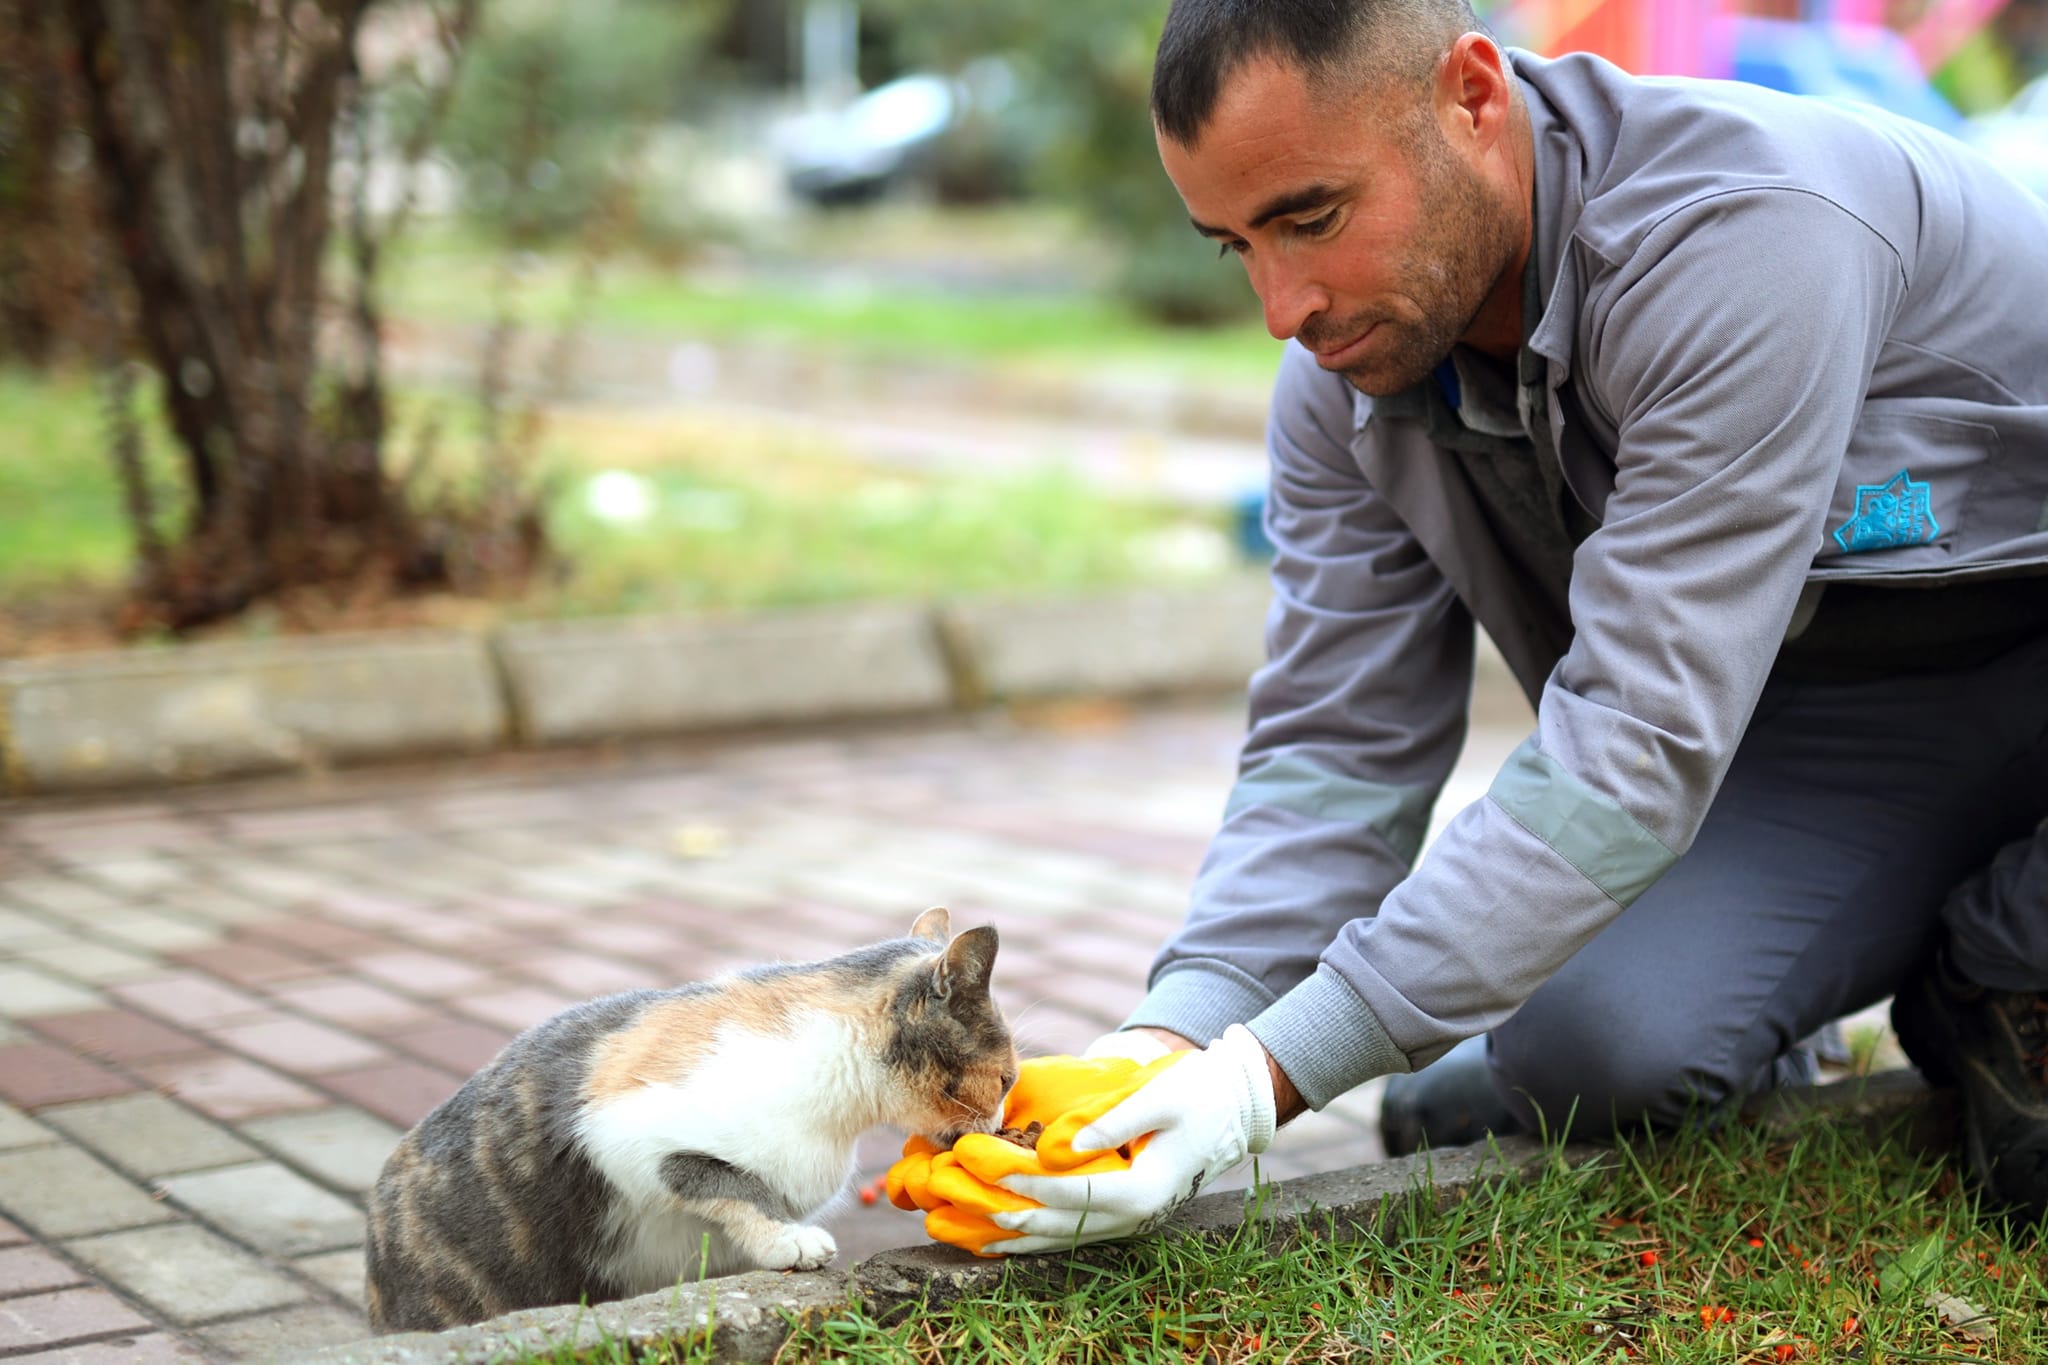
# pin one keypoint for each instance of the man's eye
(1316, 227)
(1228, 248)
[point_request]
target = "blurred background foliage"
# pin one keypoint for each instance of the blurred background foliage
(555, 101)
(1082, 77)
(645, 293)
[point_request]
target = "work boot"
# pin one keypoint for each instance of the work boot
(1993, 1047)
(1448, 1103)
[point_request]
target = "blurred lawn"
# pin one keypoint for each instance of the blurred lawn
(689, 514)
(846, 304)
(60, 503)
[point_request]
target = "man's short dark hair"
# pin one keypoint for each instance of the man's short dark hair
(1334, 42)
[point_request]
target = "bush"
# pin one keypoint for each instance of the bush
(1084, 73)
(554, 98)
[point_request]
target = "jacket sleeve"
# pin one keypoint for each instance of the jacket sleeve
(1733, 347)
(1356, 721)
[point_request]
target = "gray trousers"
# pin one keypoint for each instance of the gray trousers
(1860, 824)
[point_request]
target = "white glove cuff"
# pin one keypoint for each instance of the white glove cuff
(1138, 1046)
(1238, 1044)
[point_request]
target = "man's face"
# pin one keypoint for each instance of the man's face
(1363, 232)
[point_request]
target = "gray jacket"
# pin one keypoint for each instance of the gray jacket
(1782, 342)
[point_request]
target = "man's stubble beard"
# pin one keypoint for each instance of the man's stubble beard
(1467, 239)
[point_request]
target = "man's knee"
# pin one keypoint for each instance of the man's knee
(1592, 1069)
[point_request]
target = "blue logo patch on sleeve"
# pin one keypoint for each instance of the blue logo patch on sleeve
(1889, 515)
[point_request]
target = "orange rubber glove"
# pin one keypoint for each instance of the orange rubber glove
(957, 1189)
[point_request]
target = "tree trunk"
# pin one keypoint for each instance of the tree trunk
(213, 124)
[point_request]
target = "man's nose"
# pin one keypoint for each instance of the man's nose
(1290, 298)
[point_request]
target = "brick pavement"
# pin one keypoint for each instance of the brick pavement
(220, 1008)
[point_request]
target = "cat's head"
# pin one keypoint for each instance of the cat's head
(947, 1040)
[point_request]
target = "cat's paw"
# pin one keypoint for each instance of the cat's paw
(798, 1247)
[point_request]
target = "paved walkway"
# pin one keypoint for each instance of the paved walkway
(219, 1009)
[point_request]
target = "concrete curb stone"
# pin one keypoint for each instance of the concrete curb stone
(220, 710)
(1132, 643)
(211, 711)
(750, 1314)
(582, 681)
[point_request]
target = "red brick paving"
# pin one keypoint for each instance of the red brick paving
(299, 1046)
(405, 925)
(187, 998)
(155, 1349)
(320, 938)
(116, 1035)
(345, 1000)
(228, 1088)
(33, 1075)
(426, 974)
(516, 1009)
(26, 1269)
(402, 1092)
(67, 1315)
(459, 1045)
(247, 964)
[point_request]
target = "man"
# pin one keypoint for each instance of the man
(1725, 413)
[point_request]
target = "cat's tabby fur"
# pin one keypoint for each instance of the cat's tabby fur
(589, 1160)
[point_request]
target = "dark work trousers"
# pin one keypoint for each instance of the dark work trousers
(1859, 825)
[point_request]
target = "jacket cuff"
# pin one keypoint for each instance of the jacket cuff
(1326, 1039)
(1198, 999)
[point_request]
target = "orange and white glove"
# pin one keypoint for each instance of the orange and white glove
(960, 1190)
(1204, 1115)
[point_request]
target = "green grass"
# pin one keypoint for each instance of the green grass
(60, 503)
(1741, 1246)
(736, 517)
(448, 277)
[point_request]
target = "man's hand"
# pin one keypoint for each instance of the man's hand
(1205, 1114)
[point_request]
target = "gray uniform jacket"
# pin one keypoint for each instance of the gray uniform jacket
(1782, 342)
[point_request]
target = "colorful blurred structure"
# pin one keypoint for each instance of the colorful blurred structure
(1879, 51)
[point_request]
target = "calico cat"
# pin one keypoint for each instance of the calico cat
(589, 1160)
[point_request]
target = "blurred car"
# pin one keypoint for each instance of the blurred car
(2016, 137)
(858, 152)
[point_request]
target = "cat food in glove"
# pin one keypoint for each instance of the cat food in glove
(1059, 1096)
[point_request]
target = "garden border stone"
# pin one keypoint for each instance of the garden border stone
(196, 712)
(190, 713)
(1131, 643)
(593, 680)
(750, 1315)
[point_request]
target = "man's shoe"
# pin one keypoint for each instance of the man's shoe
(1992, 1046)
(1448, 1103)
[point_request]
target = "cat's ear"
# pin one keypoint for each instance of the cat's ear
(934, 924)
(962, 971)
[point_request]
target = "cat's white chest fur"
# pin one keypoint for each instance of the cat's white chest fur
(786, 1107)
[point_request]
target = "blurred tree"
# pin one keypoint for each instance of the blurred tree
(45, 260)
(1083, 71)
(554, 101)
(215, 127)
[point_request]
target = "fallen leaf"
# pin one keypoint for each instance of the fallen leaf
(1912, 1268)
(1965, 1317)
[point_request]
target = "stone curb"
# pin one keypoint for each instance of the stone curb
(576, 682)
(750, 1315)
(208, 711)
(226, 710)
(1134, 644)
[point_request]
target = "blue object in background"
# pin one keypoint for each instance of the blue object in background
(1248, 525)
(1843, 61)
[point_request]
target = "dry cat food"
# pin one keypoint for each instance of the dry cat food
(1024, 1137)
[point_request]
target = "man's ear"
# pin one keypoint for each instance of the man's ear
(1474, 93)
(934, 924)
(962, 971)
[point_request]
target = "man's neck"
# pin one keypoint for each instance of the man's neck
(1496, 329)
